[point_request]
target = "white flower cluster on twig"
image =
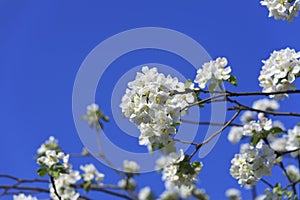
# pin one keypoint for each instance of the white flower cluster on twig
(252, 163)
(156, 113)
(280, 71)
(282, 9)
(213, 71)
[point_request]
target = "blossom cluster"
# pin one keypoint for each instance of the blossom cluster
(94, 116)
(56, 163)
(252, 163)
(155, 112)
(213, 71)
(63, 186)
(280, 71)
(288, 142)
(131, 168)
(178, 170)
(282, 9)
(52, 158)
(183, 192)
(91, 174)
(260, 127)
(251, 125)
(50, 144)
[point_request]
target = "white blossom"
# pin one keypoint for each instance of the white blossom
(265, 104)
(169, 195)
(64, 187)
(50, 144)
(149, 104)
(52, 157)
(171, 167)
(131, 167)
(293, 172)
(263, 124)
(91, 173)
(268, 195)
(279, 144)
(247, 116)
(233, 194)
(282, 9)
(213, 71)
(251, 164)
(127, 183)
(235, 134)
(22, 196)
(93, 116)
(145, 194)
(280, 71)
(292, 140)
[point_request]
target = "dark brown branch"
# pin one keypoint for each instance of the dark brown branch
(235, 94)
(184, 142)
(54, 187)
(292, 184)
(267, 183)
(102, 189)
(286, 152)
(288, 177)
(243, 107)
(25, 188)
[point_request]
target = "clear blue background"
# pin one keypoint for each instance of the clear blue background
(43, 43)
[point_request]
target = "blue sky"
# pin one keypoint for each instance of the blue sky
(43, 43)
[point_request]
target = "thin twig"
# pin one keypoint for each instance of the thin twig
(208, 123)
(275, 113)
(267, 183)
(198, 146)
(184, 142)
(288, 177)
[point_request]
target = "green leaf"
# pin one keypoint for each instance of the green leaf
(175, 124)
(54, 174)
(255, 139)
(232, 79)
(42, 171)
(87, 186)
(275, 130)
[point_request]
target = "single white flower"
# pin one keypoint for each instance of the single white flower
(292, 140)
(235, 134)
(265, 104)
(131, 167)
(233, 194)
(145, 194)
(293, 172)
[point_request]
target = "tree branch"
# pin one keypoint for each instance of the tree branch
(198, 146)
